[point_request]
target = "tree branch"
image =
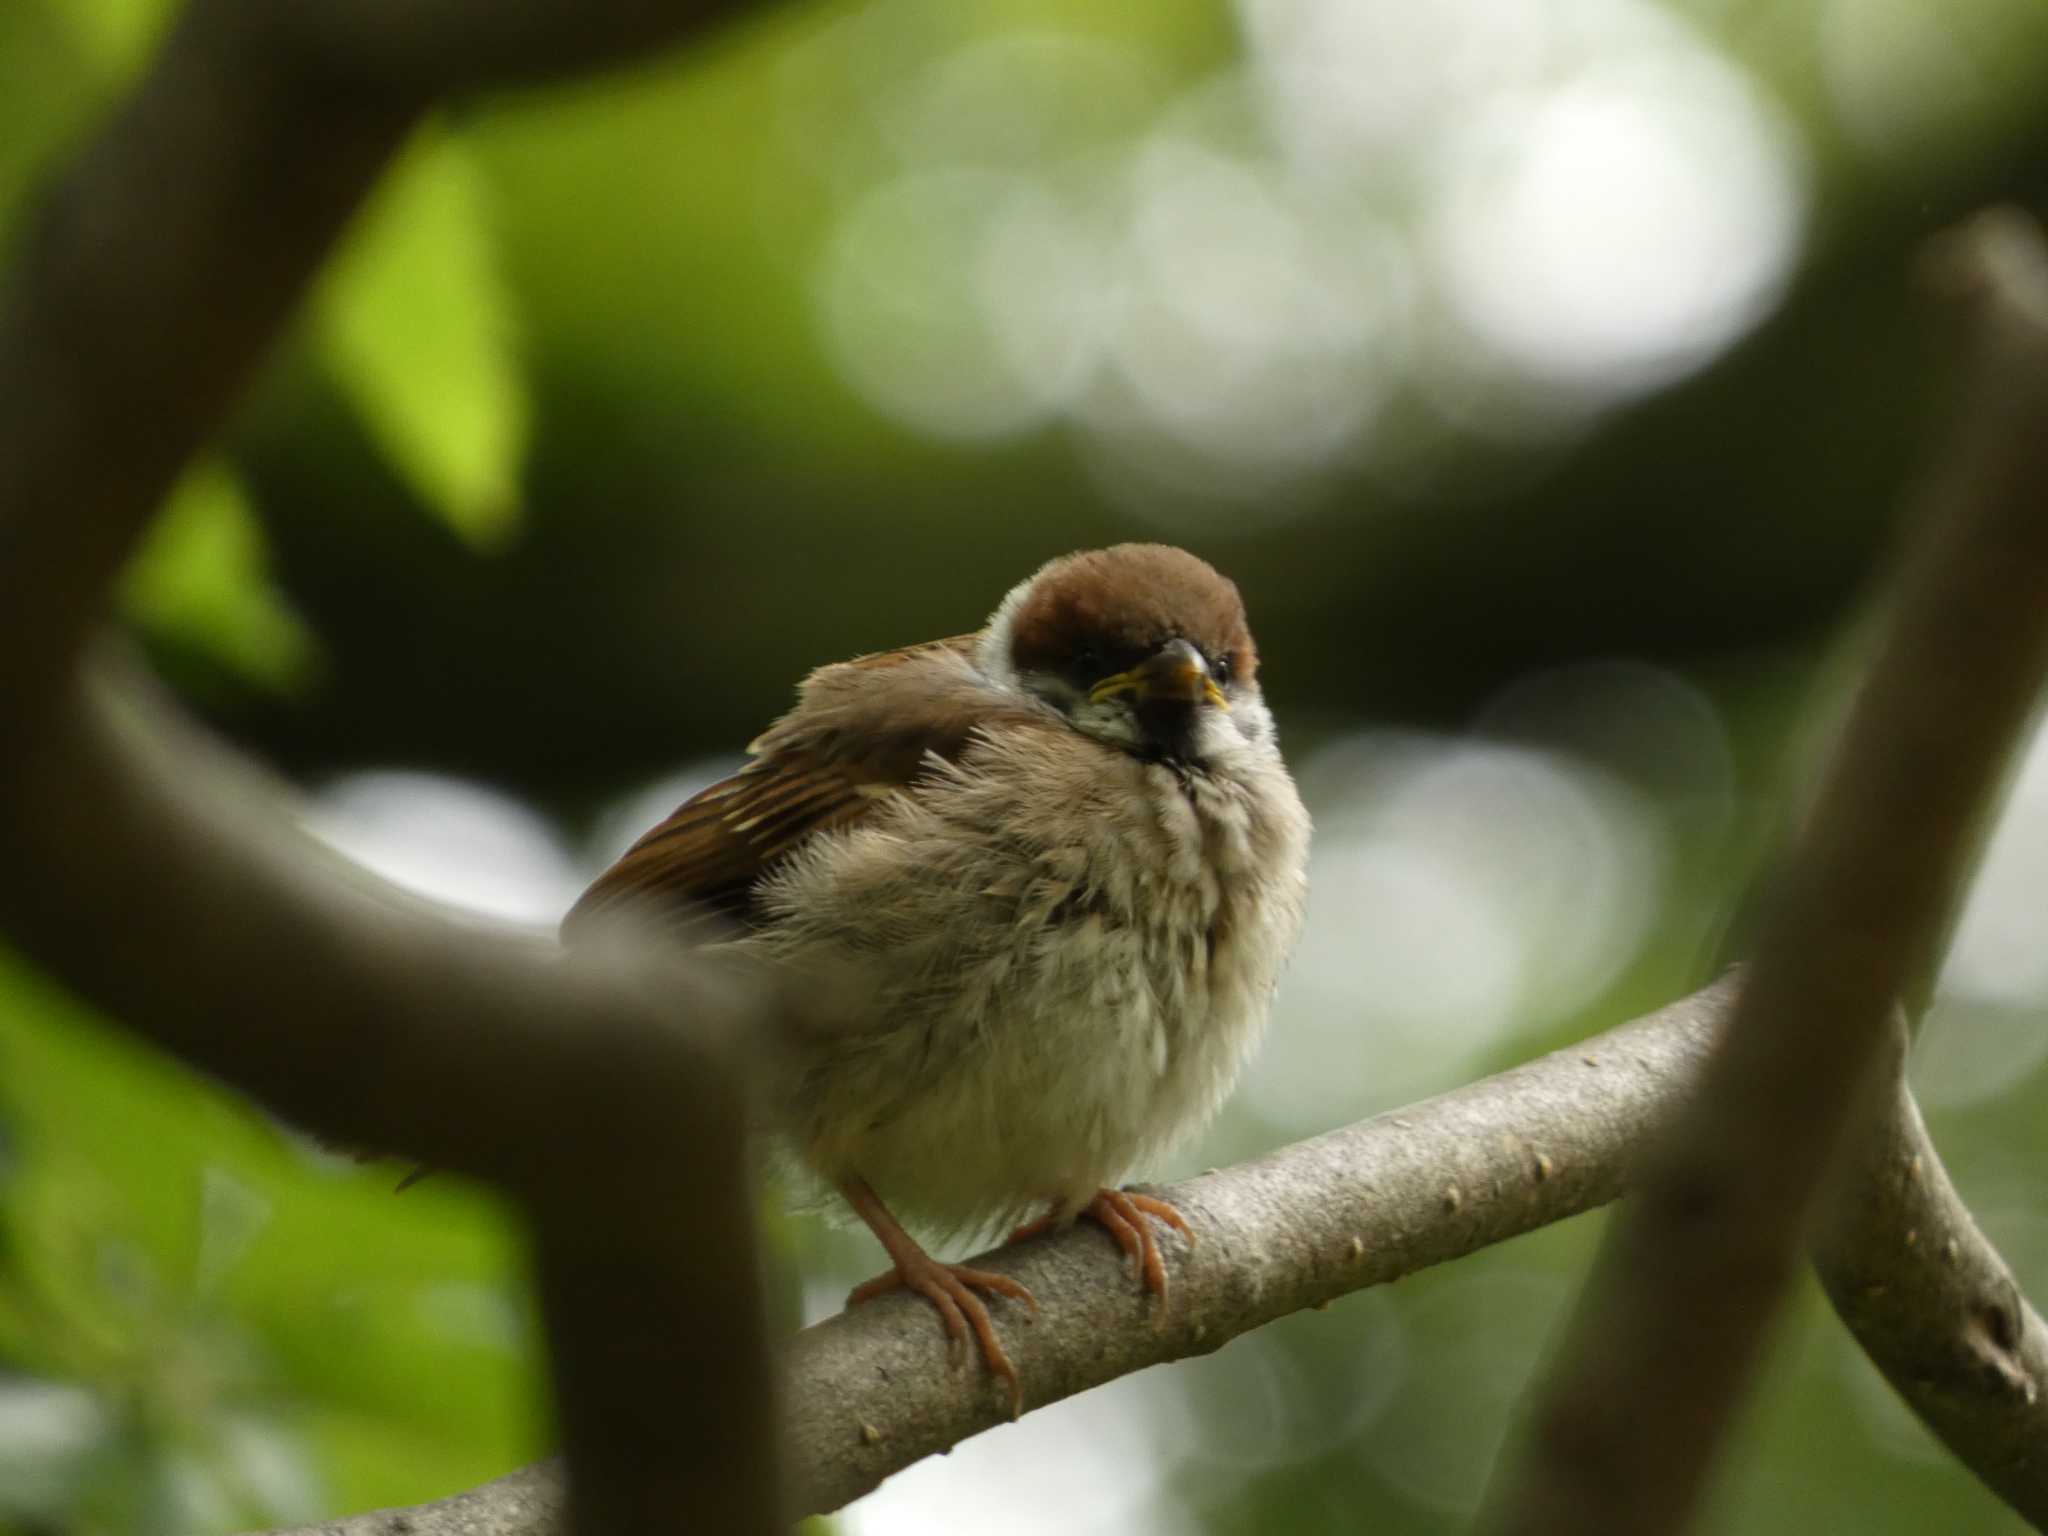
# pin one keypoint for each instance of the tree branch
(142, 295)
(1924, 1292)
(145, 873)
(1627, 1427)
(142, 871)
(1935, 1306)
(529, 1502)
(869, 1394)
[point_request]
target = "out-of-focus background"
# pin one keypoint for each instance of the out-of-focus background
(1545, 371)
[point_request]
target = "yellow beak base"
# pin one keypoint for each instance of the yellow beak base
(1176, 671)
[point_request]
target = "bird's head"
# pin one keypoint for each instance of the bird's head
(1141, 646)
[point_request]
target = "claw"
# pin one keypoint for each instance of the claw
(1123, 1214)
(950, 1288)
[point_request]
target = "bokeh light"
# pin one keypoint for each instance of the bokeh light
(1518, 216)
(624, 821)
(1462, 890)
(1276, 1397)
(1093, 1464)
(49, 1432)
(462, 844)
(1897, 74)
(1605, 236)
(1484, 1330)
(961, 303)
(1985, 1031)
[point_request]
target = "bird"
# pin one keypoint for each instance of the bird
(1056, 865)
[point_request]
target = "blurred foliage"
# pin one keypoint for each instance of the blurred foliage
(412, 321)
(417, 326)
(200, 579)
(617, 412)
(264, 1332)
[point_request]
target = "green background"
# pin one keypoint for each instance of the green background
(564, 475)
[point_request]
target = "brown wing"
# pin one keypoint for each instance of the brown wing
(862, 731)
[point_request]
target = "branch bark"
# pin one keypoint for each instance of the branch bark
(868, 1392)
(1930, 1299)
(1626, 1428)
(1935, 1306)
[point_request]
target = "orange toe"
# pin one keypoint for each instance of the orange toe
(951, 1288)
(1124, 1216)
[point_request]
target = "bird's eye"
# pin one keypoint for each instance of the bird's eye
(1224, 666)
(1088, 661)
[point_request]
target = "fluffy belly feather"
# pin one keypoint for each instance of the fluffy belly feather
(1099, 1010)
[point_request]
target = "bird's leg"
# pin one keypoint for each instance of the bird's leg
(948, 1287)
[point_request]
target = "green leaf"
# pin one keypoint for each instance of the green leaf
(416, 323)
(116, 34)
(201, 578)
(46, 94)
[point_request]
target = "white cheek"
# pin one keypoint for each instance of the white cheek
(1253, 720)
(992, 653)
(1218, 734)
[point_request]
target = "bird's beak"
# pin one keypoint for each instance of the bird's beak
(1175, 671)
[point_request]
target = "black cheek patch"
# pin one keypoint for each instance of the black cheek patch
(1168, 727)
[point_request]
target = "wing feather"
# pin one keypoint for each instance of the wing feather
(862, 731)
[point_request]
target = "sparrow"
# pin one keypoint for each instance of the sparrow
(1056, 866)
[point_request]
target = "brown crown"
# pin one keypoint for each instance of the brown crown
(1125, 602)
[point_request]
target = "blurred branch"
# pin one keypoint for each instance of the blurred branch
(154, 877)
(1935, 1306)
(1688, 1282)
(140, 298)
(1908, 1270)
(529, 1502)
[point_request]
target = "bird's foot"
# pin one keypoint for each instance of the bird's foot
(948, 1287)
(951, 1289)
(1124, 1215)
